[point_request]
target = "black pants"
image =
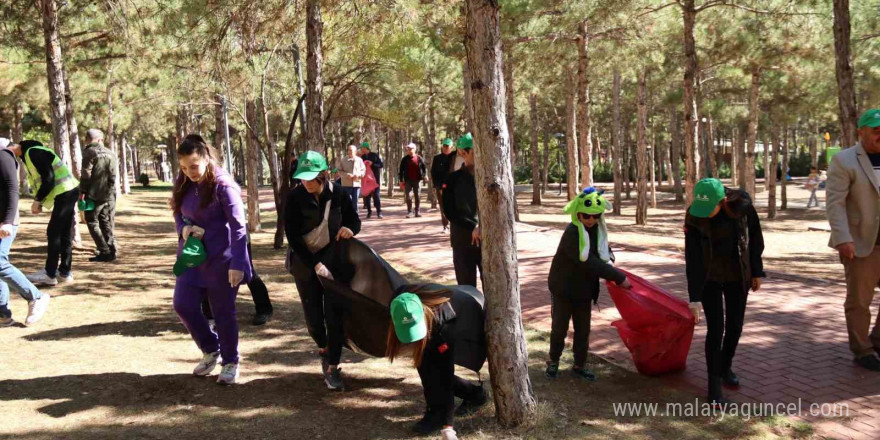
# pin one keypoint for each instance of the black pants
(377, 200)
(439, 382)
(722, 335)
(466, 258)
(574, 306)
(58, 233)
(259, 292)
(415, 188)
(101, 222)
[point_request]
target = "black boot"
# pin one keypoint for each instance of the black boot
(715, 395)
(431, 422)
(730, 379)
(473, 402)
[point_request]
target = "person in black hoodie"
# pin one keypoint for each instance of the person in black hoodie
(723, 247)
(582, 258)
(460, 206)
(318, 217)
(441, 166)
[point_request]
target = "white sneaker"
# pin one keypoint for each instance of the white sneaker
(65, 279)
(448, 434)
(228, 375)
(36, 309)
(207, 364)
(40, 278)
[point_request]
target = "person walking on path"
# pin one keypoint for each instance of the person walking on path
(853, 207)
(317, 216)
(460, 206)
(441, 166)
(411, 172)
(427, 323)
(351, 170)
(98, 183)
(10, 276)
(582, 258)
(207, 205)
(813, 185)
(723, 247)
(58, 190)
(375, 163)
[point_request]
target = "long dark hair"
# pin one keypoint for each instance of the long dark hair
(194, 143)
(431, 299)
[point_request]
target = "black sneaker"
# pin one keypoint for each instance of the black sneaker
(552, 370)
(869, 362)
(430, 423)
(730, 379)
(471, 405)
(583, 373)
(333, 379)
(103, 258)
(418, 214)
(261, 318)
(369, 214)
(379, 216)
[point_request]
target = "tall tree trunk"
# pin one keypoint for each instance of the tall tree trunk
(627, 160)
(253, 155)
(390, 164)
(616, 156)
(271, 153)
(771, 173)
(710, 148)
(784, 152)
(691, 134)
(510, 96)
(814, 146)
(545, 163)
(749, 164)
(740, 149)
(75, 158)
(124, 176)
(652, 160)
(508, 355)
(766, 163)
(55, 74)
(220, 132)
(675, 154)
(314, 83)
(571, 141)
(432, 138)
(734, 157)
(585, 138)
(641, 153)
(536, 157)
(428, 157)
(846, 95)
(468, 98)
(17, 134)
(111, 136)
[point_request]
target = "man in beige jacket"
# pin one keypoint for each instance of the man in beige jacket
(853, 208)
(351, 170)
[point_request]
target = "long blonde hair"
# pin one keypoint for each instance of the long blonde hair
(431, 299)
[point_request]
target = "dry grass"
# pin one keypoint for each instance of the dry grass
(111, 360)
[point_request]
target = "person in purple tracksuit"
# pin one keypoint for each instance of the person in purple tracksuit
(207, 204)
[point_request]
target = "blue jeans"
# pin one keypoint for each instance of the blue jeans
(11, 277)
(813, 198)
(354, 193)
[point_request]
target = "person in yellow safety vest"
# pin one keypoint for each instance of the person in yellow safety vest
(56, 189)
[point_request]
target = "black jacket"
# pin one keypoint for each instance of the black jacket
(571, 276)
(441, 166)
(98, 175)
(8, 188)
(375, 163)
(302, 213)
(698, 248)
(460, 206)
(401, 170)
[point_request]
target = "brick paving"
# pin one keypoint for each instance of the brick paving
(793, 348)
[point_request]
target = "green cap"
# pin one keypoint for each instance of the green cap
(408, 317)
(587, 202)
(447, 141)
(310, 164)
(707, 194)
(870, 118)
(192, 255)
(86, 204)
(465, 142)
(365, 144)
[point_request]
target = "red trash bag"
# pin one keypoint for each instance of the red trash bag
(657, 327)
(368, 183)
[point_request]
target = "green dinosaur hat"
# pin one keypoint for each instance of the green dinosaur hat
(591, 202)
(192, 255)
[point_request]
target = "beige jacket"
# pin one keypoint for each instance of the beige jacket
(853, 200)
(351, 170)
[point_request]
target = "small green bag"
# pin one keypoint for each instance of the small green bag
(192, 255)
(86, 205)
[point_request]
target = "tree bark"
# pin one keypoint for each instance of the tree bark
(468, 98)
(846, 95)
(616, 156)
(314, 82)
(545, 163)
(253, 155)
(784, 152)
(508, 356)
(536, 157)
(220, 133)
(55, 74)
(125, 181)
(766, 163)
(675, 154)
(641, 153)
(749, 163)
(17, 134)
(111, 137)
(585, 138)
(771, 174)
(814, 146)
(75, 158)
(431, 139)
(571, 141)
(691, 138)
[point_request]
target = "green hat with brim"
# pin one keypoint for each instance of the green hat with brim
(86, 204)
(408, 317)
(309, 165)
(465, 142)
(192, 255)
(707, 194)
(365, 144)
(870, 118)
(447, 142)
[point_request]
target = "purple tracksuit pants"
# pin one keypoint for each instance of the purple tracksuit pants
(188, 305)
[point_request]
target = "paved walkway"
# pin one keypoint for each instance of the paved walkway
(793, 348)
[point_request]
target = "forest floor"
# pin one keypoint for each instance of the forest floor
(111, 360)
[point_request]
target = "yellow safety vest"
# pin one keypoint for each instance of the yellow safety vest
(64, 180)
